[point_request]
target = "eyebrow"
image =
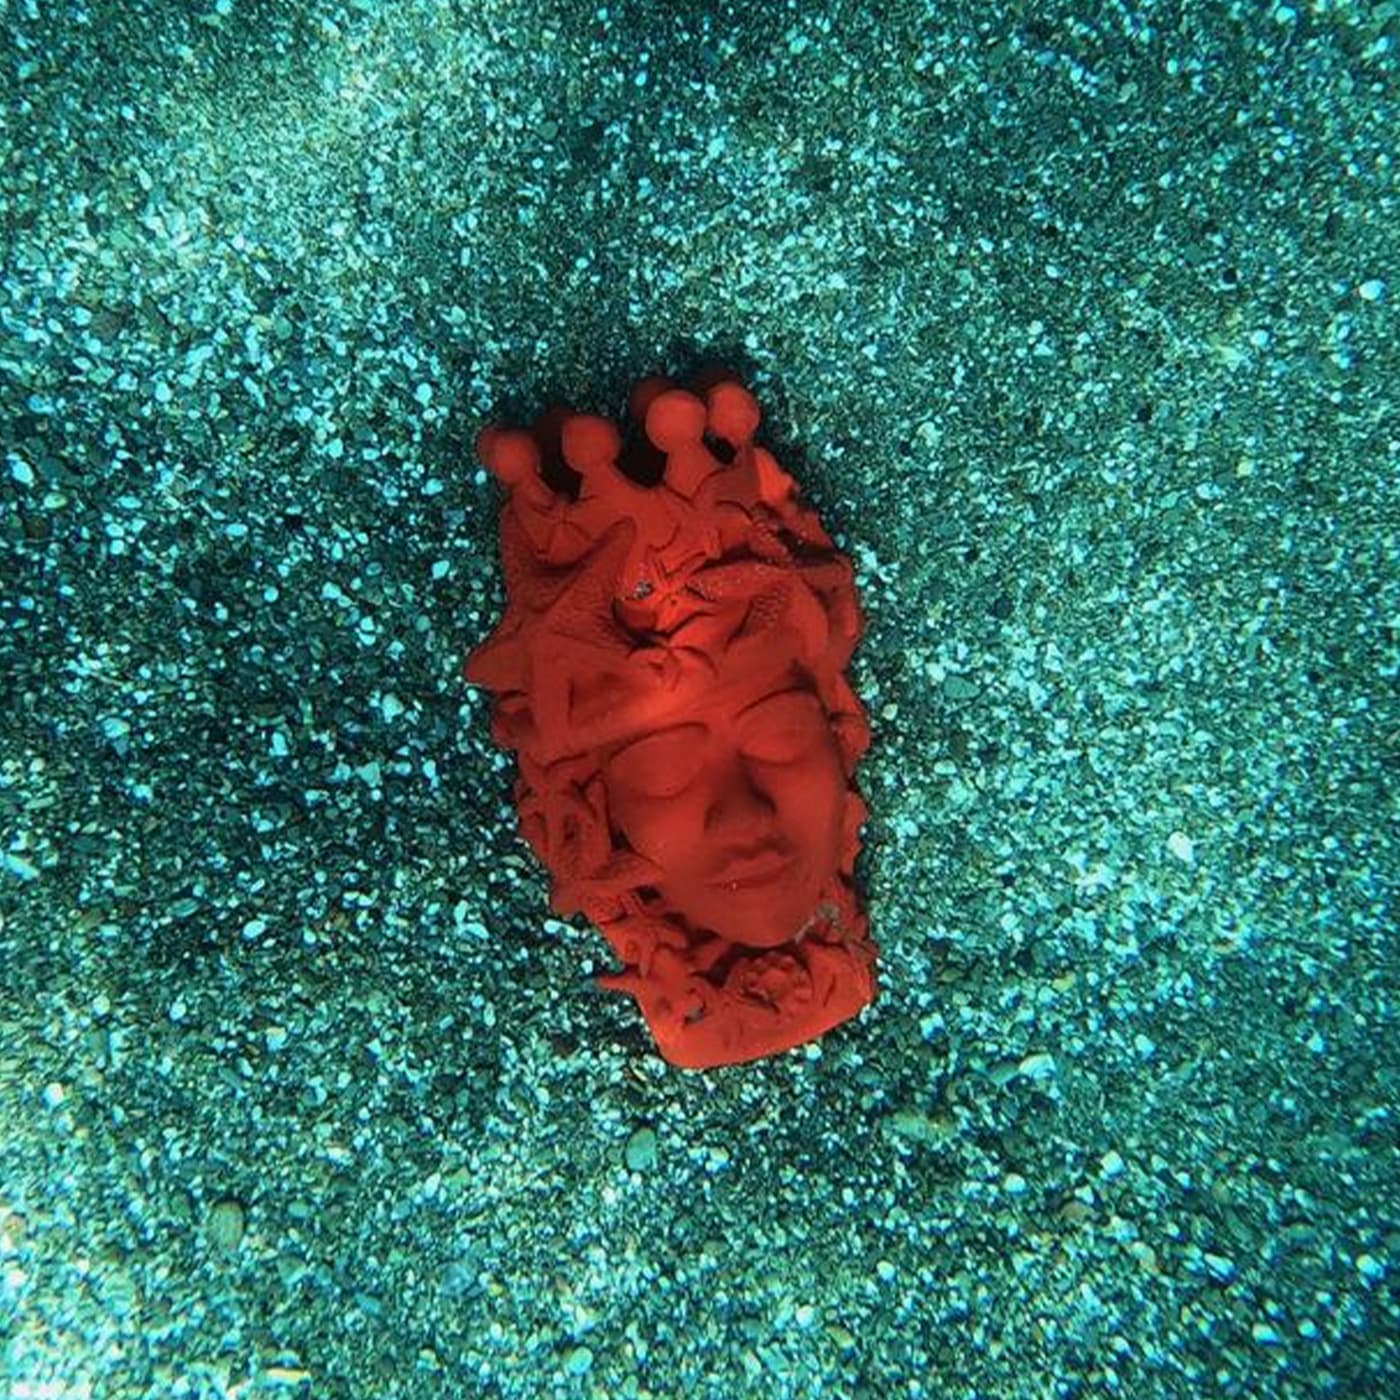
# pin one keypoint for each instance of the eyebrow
(780, 696)
(671, 732)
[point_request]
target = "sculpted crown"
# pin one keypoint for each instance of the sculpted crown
(644, 569)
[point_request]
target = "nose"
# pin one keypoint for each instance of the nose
(739, 810)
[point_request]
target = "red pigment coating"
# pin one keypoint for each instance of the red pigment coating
(670, 671)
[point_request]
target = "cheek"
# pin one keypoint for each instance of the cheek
(666, 832)
(810, 804)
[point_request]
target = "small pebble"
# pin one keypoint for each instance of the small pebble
(640, 1151)
(578, 1361)
(1039, 1066)
(1182, 847)
(227, 1220)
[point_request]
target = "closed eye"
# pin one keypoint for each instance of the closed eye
(661, 765)
(783, 728)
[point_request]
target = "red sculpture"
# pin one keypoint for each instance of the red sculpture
(670, 672)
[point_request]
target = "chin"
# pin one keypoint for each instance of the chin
(757, 920)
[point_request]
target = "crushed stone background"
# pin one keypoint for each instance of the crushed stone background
(1077, 324)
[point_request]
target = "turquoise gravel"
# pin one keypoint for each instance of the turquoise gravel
(1078, 324)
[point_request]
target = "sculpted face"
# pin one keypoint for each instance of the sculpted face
(670, 671)
(742, 813)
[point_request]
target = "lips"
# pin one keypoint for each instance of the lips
(751, 868)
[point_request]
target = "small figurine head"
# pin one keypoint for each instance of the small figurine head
(670, 670)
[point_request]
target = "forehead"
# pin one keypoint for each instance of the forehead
(737, 719)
